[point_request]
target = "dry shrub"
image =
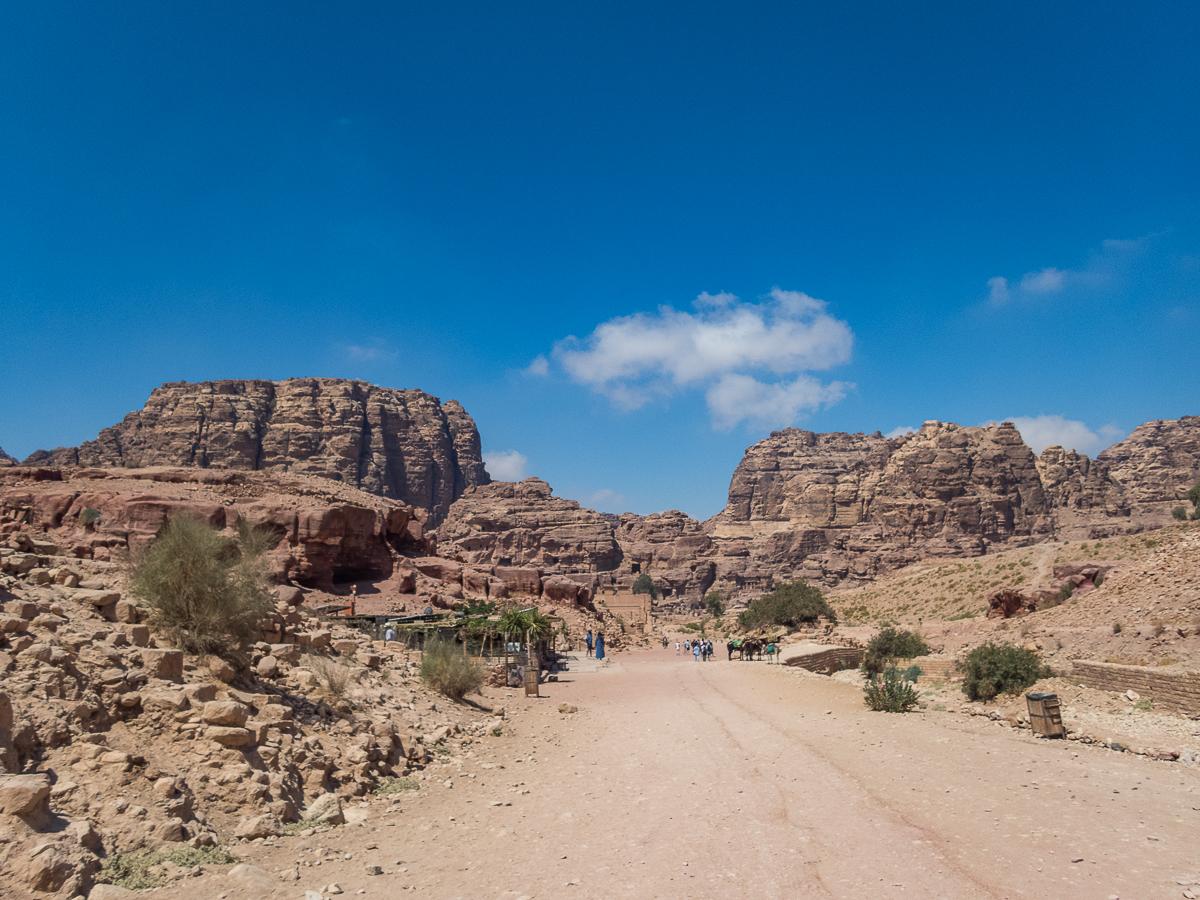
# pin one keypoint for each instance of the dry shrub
(447, 669)
(333, 677)
(207, 592)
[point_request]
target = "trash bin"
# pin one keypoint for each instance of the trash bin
(1044, 715)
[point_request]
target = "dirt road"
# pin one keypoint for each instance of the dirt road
(728, 779)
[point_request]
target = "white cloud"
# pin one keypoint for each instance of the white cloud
(1110, 434)
(736, 398)
(634, 359)
(606, 500)
(901, 430)
(1047, 281)
(366, 354)
(539, 366)
(1105, 268)
(506, 465)
(998, 290)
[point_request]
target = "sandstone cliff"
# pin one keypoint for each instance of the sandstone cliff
(831, 507)
(523, 524)
(401, 444)
(842, 508)
(1158, 462)
(5, 459)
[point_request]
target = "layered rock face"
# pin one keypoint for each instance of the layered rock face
(524, 524)
(672, 548)
(834, 506)
(1158, 462)
(5, 459)
(401, 444)
(316, 543)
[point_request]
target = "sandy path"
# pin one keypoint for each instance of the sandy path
(731, 779)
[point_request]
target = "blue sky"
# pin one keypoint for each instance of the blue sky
(631, 238)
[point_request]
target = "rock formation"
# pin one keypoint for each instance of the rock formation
(523, 524)
(832, 507)
(5, 459)
(1158, 462)
(401, 444)
(318, 542)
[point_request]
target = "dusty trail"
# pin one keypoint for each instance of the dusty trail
(730, 779)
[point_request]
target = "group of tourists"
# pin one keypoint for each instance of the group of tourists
(700, 650)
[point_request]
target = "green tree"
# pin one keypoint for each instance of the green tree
(714, 603)
(890, 645)
(992, 669)
(789, 604)
(645, 585)
(1194, 496)
(205, 591)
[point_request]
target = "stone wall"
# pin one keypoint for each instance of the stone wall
(826, 662)
(1170, 691)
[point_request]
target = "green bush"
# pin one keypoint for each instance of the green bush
(89, 516)
(890, 645)
(714, 603)
(993, 669)
(645, 585)
(207, 592)
(789, 604)
(447, 669)
(889, 693)
(1179, 513)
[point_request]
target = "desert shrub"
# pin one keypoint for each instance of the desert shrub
(142, 869)
(912, 673)
(889, 693)
(1066, 591)
(89, 516)
(993, 669)
(207, 592)
(1179, 513)
(448, 670)
(1118, 627)
(645, 585)
(397, 786)
(333, 677)
(714, 603)
(888, 646)
(789, 604)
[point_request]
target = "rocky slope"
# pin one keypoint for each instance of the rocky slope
(401, 444)
(5, 459)
(111, 741)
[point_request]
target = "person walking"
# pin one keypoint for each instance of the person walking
(696, 651)
(677, 648)
(588, 641)
(600, 646)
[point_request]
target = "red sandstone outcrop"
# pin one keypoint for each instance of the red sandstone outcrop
(401, 444)
(318, 542)
(522, 524)
(5, 459)
(672, 548)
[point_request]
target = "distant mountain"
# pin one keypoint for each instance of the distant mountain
(402, 444)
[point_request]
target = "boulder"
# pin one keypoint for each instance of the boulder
(326, 810)
(164, 664)
(225, 712)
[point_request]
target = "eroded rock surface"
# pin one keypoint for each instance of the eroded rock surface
(401, 444)
(523, 524)
(1158, 462)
